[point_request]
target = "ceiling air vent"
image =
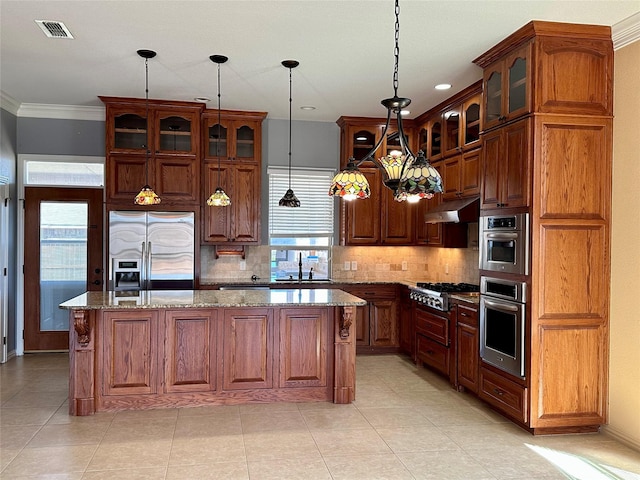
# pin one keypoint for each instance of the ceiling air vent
(54, 29)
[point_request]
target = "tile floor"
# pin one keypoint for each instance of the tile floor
(407, 423)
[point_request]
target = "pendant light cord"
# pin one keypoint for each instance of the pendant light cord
(396, 51)
(290, 100)
(219, 128)
(146, 93)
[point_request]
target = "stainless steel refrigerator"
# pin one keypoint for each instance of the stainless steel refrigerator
(157, 247)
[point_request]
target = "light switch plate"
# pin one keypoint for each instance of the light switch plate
(405, 266)
(354, 265)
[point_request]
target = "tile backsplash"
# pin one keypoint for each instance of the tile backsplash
(429, 264)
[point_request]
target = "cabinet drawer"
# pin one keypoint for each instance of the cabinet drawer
(432, 353)
(432, 326)
(507, 396)
(467, 315)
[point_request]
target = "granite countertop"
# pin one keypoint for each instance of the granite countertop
(212, 298)
(473, 298)
(316, 283)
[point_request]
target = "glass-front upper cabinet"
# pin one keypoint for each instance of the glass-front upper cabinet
(507, 86)
(471, 122)
(130, 131)
(435, 142)
(176, 132)
(452, 121)
(423, 139)
(217, 140)
(231, 139)
(360, 142)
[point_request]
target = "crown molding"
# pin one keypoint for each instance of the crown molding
(625, 32)
(9, 103)
(66, 112)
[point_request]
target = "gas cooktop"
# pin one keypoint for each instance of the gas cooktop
(436, 295)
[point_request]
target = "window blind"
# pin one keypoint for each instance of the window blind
(315, 214)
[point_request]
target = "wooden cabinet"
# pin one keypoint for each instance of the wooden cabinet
(128, 364)
(507, 87)
(377, 326)
(451, 235)
(433, 339)
(190, 350)
(407, 322)
(506, 166)
(543, 163)
(236, 144)
(468, 347)
(379, 220)
(240, 221)
(304, 342)
(173, 138)
(461, 175)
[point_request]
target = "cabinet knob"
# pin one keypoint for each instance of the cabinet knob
(498, 392)
(97, 282)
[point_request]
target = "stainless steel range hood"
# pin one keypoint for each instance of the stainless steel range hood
(465, 210)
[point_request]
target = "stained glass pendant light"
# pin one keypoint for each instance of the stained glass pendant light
(218, 198)
(350, 183)
(146, 196)
(398, 174)
(289, 199)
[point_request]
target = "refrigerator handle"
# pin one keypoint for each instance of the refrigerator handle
(143, 268)
(149, 257)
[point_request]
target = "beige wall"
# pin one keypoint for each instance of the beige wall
(624, 376)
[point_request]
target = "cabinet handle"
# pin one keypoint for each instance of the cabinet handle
(430, 352)
(462, 314)
(498, 392)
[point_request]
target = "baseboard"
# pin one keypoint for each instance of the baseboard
(622, 437)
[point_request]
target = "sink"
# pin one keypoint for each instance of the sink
(304, 280)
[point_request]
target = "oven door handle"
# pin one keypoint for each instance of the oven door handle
(502, 236)
(501, 306)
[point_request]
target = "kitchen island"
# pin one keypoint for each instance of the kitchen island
(163, 349)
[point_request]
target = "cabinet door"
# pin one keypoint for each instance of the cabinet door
(126, 175)
(452, 178)
(362, 217)
(247, 141)
(245, 203)
(360, 140)
(506, 166)
(177, 179)
(384, 323)
(216, 221)
(397, 220)
(517, 174)
(362, 325)
(471, 122)
(190, 350)
(518, 78)
(130, 340)
(452, 122)
(470, 168)
(468, 353)
(435, 138)
(303, 347)
(493, 94)
(177, 131)
(126, 129)
(247, 356)
(407, 328)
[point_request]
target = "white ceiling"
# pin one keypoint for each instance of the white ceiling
(345, 49)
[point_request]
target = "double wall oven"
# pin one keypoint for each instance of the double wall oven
(504, 252)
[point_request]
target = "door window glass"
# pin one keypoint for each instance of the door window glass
(63, 259)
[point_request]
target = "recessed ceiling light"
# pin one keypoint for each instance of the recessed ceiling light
(404, 113)
(202, 99)
(443, 86)
(307, 107)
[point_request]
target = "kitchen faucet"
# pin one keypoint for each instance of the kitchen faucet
(300, 268)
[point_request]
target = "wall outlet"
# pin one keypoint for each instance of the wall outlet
(354, 265)
(405, 266)
(446, 268)
(243, 265)
(347, 266)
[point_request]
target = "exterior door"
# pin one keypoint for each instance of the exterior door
(63, 258)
